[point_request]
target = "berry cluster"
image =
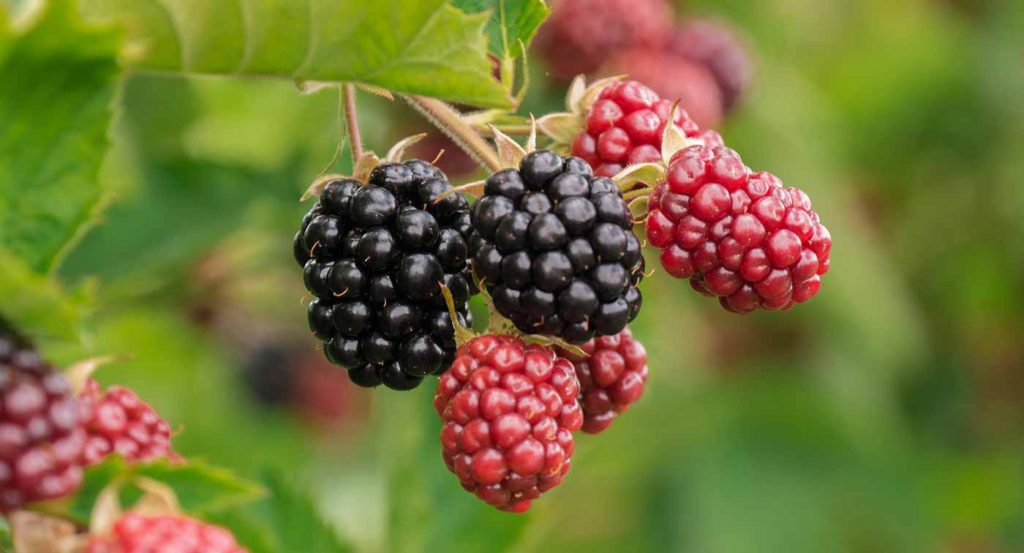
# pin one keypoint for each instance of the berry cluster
(735, 234)
(135, 533)
(581, 35)
(41, 437)
(674, 78)
(554, 247)
(612, 374)
(716, 47)
(509, 412)
(700, 62)
(375, 256)
(625, 126)
(117, 421)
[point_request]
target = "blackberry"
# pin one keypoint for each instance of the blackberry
(625, 125)
(117, 421)
(737, 235)
(580, 35)
(612, 375)
(554, 246)
(715, 46)
(673, 77)
(509, 412)
(41, 435)
(374, 257)
(138, 533)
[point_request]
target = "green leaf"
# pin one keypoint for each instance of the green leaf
(59, 81)
(202, 489)
(36, 305)
(286, 521)
(424, 47)
(511, 22)
(6, 541)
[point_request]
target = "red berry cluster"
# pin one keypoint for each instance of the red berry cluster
(117, 421)
(612, 377)
(624, 127)
(41, 438)
(715, 46)
(581, 35)
(737, 235)
(674, 78)
(509, 411)
(700, 62)
(134, 533)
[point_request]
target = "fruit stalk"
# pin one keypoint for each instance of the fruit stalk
(449, 121)
(352, 120)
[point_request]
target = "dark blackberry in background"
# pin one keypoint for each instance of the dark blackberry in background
(41, 434)
(268, 374)
(554, 246)
(374, 257)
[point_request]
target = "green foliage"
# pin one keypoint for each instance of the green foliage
(286, 521)
(59, 82)
(5, 537)
(423, 47)
(201, 489)
(512, 22)
(55, 104)
(37, 305)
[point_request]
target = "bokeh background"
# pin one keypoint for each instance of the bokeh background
(885, 415)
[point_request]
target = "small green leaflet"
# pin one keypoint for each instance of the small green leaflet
(511, 21)
(201, 489)
(423, 47)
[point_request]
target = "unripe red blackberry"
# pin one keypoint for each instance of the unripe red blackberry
(375, 256)
(554, 247)
(117, 421)
(674, 78)
(715, 46)
(135, 533)
(509, 412)
(41, 437)
(580, 35)
(624, 127)
(612, 377)
(737, 235)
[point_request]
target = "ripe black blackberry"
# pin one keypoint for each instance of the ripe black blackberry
(554, 246)
(41, 434)
(374, 257)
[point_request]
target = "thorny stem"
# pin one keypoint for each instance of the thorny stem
(352, 120)
(511, 130)
(450, 122)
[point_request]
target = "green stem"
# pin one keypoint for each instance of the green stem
(449, 121)
(352, 120)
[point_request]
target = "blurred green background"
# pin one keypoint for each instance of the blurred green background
(885, 415)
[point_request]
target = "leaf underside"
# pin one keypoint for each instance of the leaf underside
(422, 47)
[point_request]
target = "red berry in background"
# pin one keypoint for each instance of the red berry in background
(134, 533)
(581, 35)
(740, 236)
(509, 412)
(612, 377)
(41, 437)
(624, 127)
(673, 78)
(715, 46)
(117, 421)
